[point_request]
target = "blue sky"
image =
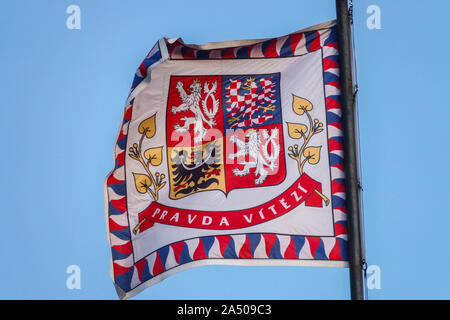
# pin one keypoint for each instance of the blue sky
(63, 92)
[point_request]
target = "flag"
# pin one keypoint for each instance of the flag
(229, 153)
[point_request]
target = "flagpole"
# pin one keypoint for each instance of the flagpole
(352, 181)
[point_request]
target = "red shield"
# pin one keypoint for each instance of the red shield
(224, 133)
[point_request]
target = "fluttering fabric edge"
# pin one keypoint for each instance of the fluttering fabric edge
(228, 262)
(293, 44)
(130, 277)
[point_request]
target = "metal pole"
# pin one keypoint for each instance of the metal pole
(352, 181)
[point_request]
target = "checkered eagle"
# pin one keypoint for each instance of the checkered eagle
(248, 103)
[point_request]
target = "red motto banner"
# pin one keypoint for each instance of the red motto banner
(301, 190)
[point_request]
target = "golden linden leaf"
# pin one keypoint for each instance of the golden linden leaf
(148, 126)
(154, 155)
(299, 105)
(142, 182)
(312, 154)
(295, 130)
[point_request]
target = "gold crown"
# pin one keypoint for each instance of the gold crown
(250, 79)
(197, 81)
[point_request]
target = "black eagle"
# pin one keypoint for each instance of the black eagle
(199, 167)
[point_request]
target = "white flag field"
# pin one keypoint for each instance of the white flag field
(229, 153)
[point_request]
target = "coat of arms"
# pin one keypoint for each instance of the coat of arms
(223, 133)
